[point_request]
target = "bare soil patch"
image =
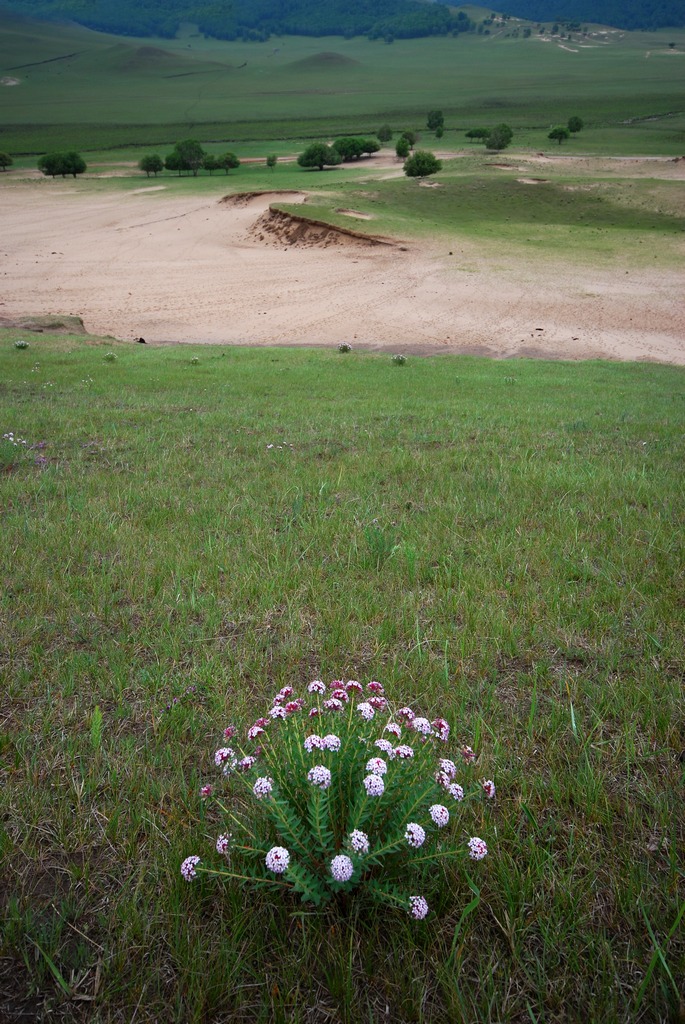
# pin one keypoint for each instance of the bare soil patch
(175, 268)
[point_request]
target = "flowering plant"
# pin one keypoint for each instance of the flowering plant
(340, 790)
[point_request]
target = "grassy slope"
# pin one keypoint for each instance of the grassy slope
(533, 594)
(115, 92)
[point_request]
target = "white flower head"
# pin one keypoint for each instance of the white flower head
(333, 704)
(316, 686)
(421, 725)
(406, 713)
(448, 767)
(277, 860)
(375, 687)
(366, 711)
(188, 867)
(439, 814)
(442, 729)
(404, 751)
(319, 776)
(224, 756)
(223, 843)
(313, 742)
(394, 729)
(342, 868)
(254, 731)
(377, 766)
(477, 848)
(418, 907)
(262, 787)
(359, 841)
(352, 686)
(331, 741)
(374, 785)
(386, 746)
(277, 711)
(415, 835)
(488, 788)
(455, 790)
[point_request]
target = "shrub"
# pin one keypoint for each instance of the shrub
(344, 347)
(110, 357)
(368, 802)
(21, 343)
(399, 360)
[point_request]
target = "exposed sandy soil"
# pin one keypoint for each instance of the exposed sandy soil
(175, 269)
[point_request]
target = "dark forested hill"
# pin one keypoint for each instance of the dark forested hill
(254, 19)
(378, 19)
(631, 14)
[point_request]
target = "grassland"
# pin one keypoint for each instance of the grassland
(500, 541)
(93, 91)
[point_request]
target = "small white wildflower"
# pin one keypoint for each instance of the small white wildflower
(374, 785)
(223, 843)
(439, 814)
(394, 729)
(448, 767)
(406, 713)
(366, 711)
(342, 868)
(418, 907)
(442, 729)
(375, 687)
(313, 742)
(316, 686)
(488, 788)
(377, 766)
(277, 712)
(262, 787)
(477, 848)
(254, 731)
(319, 776)
(277, 860)
(415, 835)
(333, 704)
(352, 686)
(455, 790)
(359, 841)
(386, 746)
(331, 741)
(224, 755)
(421, 725)
(245, 763)
(404, 751)
(188, 867)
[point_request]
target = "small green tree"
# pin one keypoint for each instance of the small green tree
(5, 161)
(190, 154)
(151, 164)
(62, 163)
(402, 148)
(411, 137)
(319, 155)
(421, 164)
(210, 163)
(173, 162)
(559, 134)
(384, 133)
(500, 137)
(271, 161)
(575, 124)
(228, 162)
(439, 132)
(435, 120)
(480, 134)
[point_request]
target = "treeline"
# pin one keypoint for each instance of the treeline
(628, 14)
(255, 19)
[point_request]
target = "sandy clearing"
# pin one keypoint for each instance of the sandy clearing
(171, 268)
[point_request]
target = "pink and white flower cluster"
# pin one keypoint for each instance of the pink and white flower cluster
(403, 772)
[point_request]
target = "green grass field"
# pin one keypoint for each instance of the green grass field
(91, 91)
(501, 541)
